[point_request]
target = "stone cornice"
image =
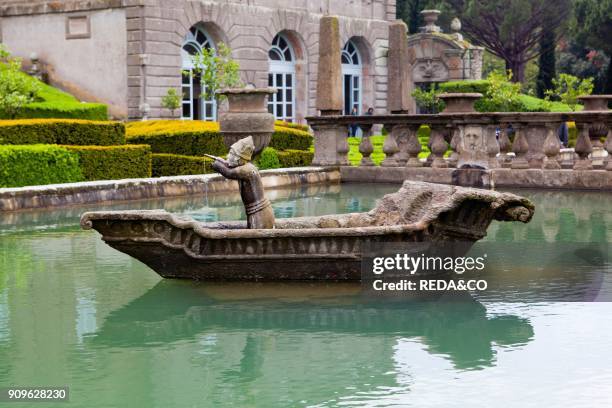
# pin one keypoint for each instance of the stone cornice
(33, 7)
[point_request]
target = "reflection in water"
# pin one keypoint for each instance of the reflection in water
(317, 339)
(560, 217)
(312, 308)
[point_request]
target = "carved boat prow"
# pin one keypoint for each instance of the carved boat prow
(310, 248)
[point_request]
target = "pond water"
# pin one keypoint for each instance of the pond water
(74, 312)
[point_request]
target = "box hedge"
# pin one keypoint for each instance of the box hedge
(113, 162)
(177, 165)
(61, 131)
(298, 126)
(268, 159)
(37, 165)
(295, 158)
(194, 138)
(287, 138)
(53, 103)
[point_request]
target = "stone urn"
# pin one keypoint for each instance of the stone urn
(247, 115)
(459, 102)
(430, 17)
(595, 102)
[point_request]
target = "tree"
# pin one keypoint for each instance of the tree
(593, 25)
(171, 100)
(568, 88)
(576, 59)
(410, 12)
(547, 62)
(217, 70)
(16, 88)
(511, 29)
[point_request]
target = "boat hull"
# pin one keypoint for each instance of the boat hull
(331, 247)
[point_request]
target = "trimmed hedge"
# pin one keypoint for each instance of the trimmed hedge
(528, 103)
(61, 131)
(37, 165)
(282, 123)
(268, 159)
(177, 165)
(295, 158)
(113, 162)
(286, 139)
(468, 86)
(53, 103)
(194, 138)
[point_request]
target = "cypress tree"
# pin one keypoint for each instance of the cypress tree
(547, 60)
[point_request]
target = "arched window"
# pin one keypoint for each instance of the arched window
(352, 73)
(195, 106)
(282, 77)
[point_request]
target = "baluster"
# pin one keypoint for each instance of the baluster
(342, 148)
(552, 147)
(520, 147)
(454, 145)
(390, 148)
(597, 131)
(583, 148)
(505, 160)
(413, 147)
(438, 147)
(492, 146)
(608, 147)
(535, 156)
(401, 138)
(365, 147)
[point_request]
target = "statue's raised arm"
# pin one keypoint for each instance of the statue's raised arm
(238, 166)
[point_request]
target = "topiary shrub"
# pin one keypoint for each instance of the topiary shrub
(295, 158)
(113, 162)
(176, 165)
(37, 165)
(268, 159)
(61, 131)
(282, 123)
(286, 138)
(194, 138)
(467, 86)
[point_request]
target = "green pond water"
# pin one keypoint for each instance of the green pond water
(74, 312)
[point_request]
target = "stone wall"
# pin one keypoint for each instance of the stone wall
(90, 65)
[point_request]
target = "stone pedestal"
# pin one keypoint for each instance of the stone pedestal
(331, 146)
(399, 65)
(329, 78)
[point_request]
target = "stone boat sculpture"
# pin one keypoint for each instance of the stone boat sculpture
(310, 248)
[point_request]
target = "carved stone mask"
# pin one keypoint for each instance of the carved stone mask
(472, 139)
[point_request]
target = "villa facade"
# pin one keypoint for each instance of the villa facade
(128, 53)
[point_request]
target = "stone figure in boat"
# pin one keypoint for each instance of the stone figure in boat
(238, 166)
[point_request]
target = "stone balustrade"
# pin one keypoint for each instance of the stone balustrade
(475, 140)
